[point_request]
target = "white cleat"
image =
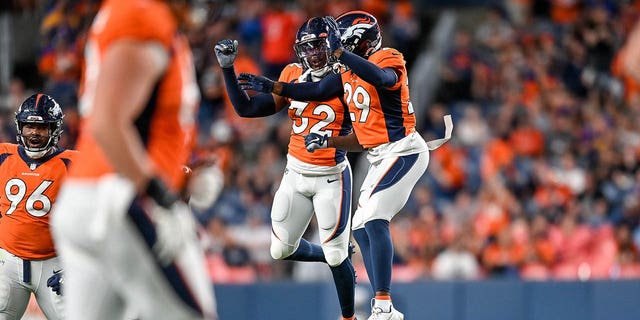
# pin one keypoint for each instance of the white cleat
(378, 314)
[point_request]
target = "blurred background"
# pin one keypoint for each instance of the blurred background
(536, 197)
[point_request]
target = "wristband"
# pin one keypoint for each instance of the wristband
(157, 191)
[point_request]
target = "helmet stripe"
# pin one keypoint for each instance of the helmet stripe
(354, 12)
(38, 100)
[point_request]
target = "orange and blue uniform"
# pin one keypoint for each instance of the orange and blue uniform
(328, 117)
(166, 125)
(380, 115)
(30, 187)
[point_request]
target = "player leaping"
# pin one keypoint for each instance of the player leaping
(377, 92)
(320, 182)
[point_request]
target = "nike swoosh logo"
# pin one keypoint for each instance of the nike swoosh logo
(334, 180)
(57, 271)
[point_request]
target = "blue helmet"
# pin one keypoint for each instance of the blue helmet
(360, 32)
(42, 109)
(311, 46)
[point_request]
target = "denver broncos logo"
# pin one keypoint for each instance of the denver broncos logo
(55, 111)
(355, 31)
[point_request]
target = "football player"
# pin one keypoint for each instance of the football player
(319, 182)
(126, 239)
(31, 173)
(375, 86)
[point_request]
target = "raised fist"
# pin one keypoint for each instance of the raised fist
(226, 51)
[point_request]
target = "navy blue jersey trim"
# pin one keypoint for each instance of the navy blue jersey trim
(28, 160)
(4, 157)
(67, 162)
(391, 104)
(346, 127)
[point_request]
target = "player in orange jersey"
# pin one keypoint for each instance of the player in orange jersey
(31, 173)
(375, 87)
(126, 240)
(319, 182)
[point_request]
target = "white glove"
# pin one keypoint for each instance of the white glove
(226, 51)
(205, 186)
(175, 227)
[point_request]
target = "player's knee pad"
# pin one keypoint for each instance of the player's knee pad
(280, 250)
(334, 256)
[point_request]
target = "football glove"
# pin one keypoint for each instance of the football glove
(249, 81)
(55, 282)
(316, 141)
(226, 51)
(175, 227)
(157, 191)
(333, 33)
(205, 185)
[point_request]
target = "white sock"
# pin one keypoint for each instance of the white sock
(385, 305)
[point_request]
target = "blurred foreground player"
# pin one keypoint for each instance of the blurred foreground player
(125, 238)
(313, 183)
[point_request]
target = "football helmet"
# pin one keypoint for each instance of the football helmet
(360, 32)
(42, 109)
(311, 44)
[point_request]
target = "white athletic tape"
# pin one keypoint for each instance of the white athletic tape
(448, 129)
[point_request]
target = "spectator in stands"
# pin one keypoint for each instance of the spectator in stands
(277, 25)
(456, 262)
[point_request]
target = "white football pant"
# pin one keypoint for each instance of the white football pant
(387, 187)
(108, 250)
(15, 292)
(294, 204)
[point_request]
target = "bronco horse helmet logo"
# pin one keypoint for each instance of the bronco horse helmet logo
(360, 32)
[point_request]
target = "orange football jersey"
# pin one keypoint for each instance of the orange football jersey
(166, 125)
(380, 115)
(29, 189)
(327, 117)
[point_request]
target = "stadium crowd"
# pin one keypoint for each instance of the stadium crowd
(540, 180)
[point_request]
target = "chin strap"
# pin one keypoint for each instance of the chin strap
(49, 146)
(36, 154)
(316, 74)
(40, 154)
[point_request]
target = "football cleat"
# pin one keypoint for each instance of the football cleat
(378, 313)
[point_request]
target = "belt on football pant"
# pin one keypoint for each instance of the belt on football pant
(26, 271)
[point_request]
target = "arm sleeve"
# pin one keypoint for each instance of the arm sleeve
(368, 71)
(260, 105)
(330, 86)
